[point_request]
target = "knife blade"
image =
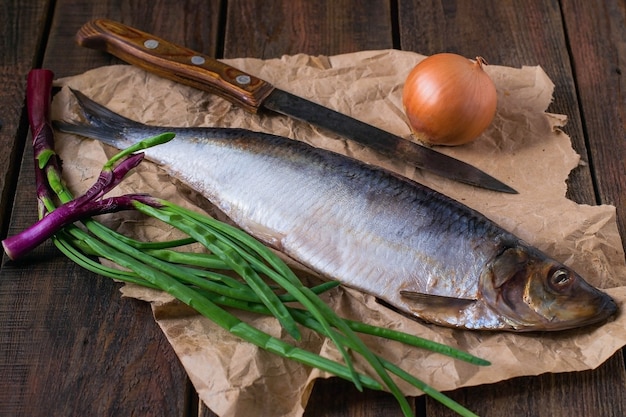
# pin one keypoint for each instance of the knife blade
(188, 67)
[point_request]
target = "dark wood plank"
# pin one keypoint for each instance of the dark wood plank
(74, 346)
(531, 33)
(597, 39)
(588, 393)
(264, 29)
(21, 31)
(71, 345)
(193, 23)
(335, 397)
(597, 34)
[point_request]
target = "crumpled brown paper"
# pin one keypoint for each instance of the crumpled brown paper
(524, 147)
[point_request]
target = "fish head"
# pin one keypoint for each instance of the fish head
(533, 292)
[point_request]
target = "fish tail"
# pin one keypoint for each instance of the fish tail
(100, 123)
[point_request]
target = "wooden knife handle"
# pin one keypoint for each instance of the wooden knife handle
(174, 62)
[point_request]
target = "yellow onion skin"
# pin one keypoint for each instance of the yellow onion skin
(449, 99)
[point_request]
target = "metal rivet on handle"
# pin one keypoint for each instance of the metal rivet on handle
(197, 60)
(243, 79)
(151, 44)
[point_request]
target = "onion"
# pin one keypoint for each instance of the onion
(449, 99)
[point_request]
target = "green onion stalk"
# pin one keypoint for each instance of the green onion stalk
(195, 278)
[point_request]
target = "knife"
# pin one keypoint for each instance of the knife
(191, 68)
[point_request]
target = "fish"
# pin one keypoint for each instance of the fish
(416, 250)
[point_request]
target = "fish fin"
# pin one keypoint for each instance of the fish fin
(101, 123)
(432, 300)
(508, 265)
(83, 129)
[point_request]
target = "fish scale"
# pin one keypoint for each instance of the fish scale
(421, 252)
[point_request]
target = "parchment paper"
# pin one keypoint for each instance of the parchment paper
(525, 147)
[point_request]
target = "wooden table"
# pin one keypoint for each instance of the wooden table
(71, 346)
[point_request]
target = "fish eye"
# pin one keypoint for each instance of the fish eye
(560, 278)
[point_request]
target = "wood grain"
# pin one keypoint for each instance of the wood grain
(325, 27)
(21, 33)
(75, 346)
(589, 393)
(514, 34)
(193, 23)
(71, 344)
(336, 397)
(597, 37)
